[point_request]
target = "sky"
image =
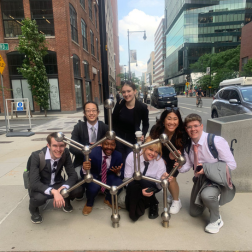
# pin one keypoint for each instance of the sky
(138, 15)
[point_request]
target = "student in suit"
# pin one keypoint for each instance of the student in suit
(87, 132)
(105, 164)
(127, 117)
(47, 183)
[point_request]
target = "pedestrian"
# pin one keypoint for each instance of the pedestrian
(118, 97)
(151, 165)
(171, 124)
(47, 182)
(127, 116)
(212, 176)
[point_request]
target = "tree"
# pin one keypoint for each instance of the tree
(134, 79)
(247, 69)
(224, 65)
(33, 45)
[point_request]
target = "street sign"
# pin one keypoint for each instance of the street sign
(2, 64)
(4, 46)
(20, 106)
(187, 84)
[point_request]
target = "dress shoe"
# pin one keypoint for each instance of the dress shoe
(36, 218)
(153, 211)
(68, 207)
(108, 203)
(87, 210)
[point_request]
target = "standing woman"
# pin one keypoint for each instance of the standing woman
(171, 124)
(127, 116)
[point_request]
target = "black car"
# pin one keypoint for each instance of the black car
(164, 97)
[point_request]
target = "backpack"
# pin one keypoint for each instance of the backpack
(211, 146)
(42, 164)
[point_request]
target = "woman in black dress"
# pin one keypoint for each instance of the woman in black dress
(127, 116)
(171, 124)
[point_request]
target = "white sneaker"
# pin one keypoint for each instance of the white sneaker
(214, 228)
(175, 207)
(169, 199)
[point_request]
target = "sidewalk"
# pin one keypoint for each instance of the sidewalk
(74, 232)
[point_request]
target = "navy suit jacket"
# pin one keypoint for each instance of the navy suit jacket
(96, 162)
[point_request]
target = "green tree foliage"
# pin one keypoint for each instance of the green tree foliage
(247, 69)
(33, 45)
(134, 79)
(224, 65)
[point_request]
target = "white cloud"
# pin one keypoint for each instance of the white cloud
(139, 69)
(121, 49)
(146, 3)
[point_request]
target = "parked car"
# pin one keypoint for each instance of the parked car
(164, 97)
(235, 97)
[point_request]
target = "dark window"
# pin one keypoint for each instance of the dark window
(95, 16)
(42, 12)
(50, 62)
(99, 78)
(234, 95)
(225, 94)
(97, 48)
(15, 60)
(84, 34)
(82, 3)
(73, 23)
(92, 42)
(76, 65)
(90, 9)
(86, 70)
(12, 13)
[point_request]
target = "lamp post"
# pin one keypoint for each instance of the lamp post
(144, 37)
(124, 72)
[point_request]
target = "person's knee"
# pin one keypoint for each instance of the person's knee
(37, 199)
(208, 197)
(93, 188)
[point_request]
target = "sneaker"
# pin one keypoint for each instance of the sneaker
(169, 199)
(153, 211)
(68, 207)
(36, 218)
(214, 228)
(175, 207)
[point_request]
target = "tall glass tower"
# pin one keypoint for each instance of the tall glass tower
(196, 27)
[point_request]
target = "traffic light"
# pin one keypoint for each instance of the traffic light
(188, 77)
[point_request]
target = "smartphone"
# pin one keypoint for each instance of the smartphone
(198, 168)
(151, 189)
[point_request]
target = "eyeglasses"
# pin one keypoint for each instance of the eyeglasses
(91, 111)
(172, 108)
(193, 127)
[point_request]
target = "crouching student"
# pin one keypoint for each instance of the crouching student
(151, 165)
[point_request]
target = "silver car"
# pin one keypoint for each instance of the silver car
(232, 100)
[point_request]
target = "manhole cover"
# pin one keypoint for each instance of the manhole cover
(39, 139)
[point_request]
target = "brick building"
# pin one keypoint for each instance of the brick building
(73, 61)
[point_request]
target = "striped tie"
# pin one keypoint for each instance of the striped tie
(104, 172)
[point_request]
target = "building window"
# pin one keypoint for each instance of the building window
(86, 70)
(82, 3)
(90, 9)
(92, 42)
(76, 66)
(84, 34)
(73, 23)
(42, 12)
(77, 82)
(12, 13)
(95, 16)
(50, 62)
(97, 49)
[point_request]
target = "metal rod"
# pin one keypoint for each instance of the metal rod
(172, 150)
(74, 142)
(116, 203)
(149, 143)
(135, 167)
(125, 183)
(69, 143)
(113, 204)
(101, 184)
(124, 142)
(110, 119)
(76, 185)
(151, 179)
(138, 161)
(4, 104)
(97, 143)
(173, 171)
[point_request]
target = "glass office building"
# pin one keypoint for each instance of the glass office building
(196, 27)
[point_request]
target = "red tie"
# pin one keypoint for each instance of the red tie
(195, 149)
(104, 172)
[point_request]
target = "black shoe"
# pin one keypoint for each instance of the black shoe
(68, 207)
(36, 218)
(153, 211)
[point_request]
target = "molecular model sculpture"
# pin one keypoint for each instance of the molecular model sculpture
(115, 217)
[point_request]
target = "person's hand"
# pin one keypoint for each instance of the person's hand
(172, 157)
(116, 169)
(146, 194)
(200, 172)
(175, 164)
(87, 165)
(58, 200)
(165, 176)
(142, 138)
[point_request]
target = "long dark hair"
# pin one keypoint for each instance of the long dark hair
(180, 133)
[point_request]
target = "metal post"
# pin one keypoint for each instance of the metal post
(4, 103)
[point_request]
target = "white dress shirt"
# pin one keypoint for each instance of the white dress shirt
(155, 169)
(48, 157)
(205, 156)
(90, 131)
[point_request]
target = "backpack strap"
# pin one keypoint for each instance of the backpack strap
(211, 146)
(42, 161)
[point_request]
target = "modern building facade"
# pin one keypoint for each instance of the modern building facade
(150, 69)
(194, 28)
(159, 39)
(73, 61)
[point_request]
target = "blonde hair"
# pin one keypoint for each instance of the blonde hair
(157, 146)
